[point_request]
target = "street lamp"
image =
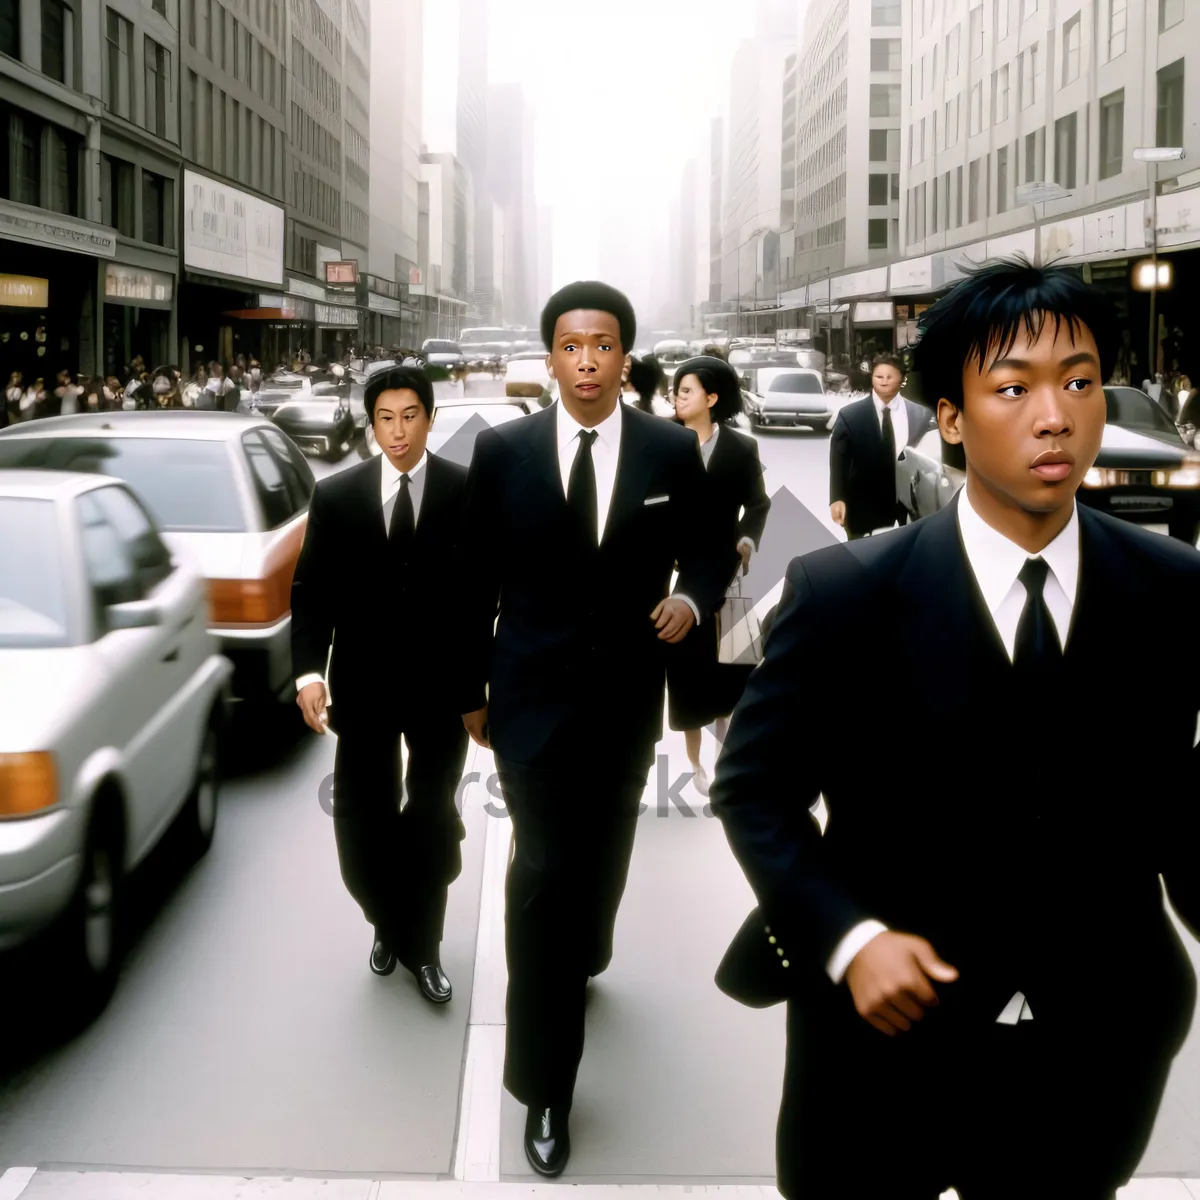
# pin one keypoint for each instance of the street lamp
(1152, 156)
(1034, 194)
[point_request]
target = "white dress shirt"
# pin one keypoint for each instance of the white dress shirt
(389, 489)
(899, 412)
(606, 452)
(996, 562)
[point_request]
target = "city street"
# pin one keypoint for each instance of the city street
(248, 1037)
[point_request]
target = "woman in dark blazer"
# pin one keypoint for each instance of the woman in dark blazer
(700, 689)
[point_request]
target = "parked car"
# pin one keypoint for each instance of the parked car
(320, 425)
(792, 396)
(230, 492)
(440, 352)
(1144, 473)
(111, 712)
(528, 367)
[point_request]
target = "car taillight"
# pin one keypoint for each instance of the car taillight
(259, 601)
(28, 783)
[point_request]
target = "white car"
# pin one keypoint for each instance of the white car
(528, 367)
(228, 491)
(793, 396)
(110, 716)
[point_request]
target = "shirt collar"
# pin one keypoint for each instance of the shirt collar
(609, 430)
(996, 562)
(391, 476)
(894, 403)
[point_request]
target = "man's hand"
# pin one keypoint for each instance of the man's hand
(889, 979)
(837, 510)
(673, 619)
(745, 550)
(311, 699)
(475, 723)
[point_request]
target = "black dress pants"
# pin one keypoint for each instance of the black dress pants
(399, 864)
(573, 834)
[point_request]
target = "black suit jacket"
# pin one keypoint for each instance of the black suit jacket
(859, 472)
(351, 589)
(574, 653)
(735, 479)
(1024, 834)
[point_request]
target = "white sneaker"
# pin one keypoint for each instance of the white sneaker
(700, 779)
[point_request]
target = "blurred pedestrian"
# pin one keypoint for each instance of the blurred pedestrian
(938, 942)
(700, 689)
(12, 396)
(645, 381)
(566, 685)
(381, 538)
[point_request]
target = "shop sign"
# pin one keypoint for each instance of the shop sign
(335, 314)
(874, 312)
(381, 304)
(133, 284)
(229, 232)
(1063, 239)
(21, 223)
(861, 283)
(24, 291)
(310, 291)
(915, 275)
(796, 298)
(341, 274)
(1178, 217)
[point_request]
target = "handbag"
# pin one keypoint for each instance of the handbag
(739, 631)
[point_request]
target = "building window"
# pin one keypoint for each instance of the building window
(1000, 18)
(118, 77)
(58, 41)
(116, 195)
(1000, 91)
(958, 191)
(885, 54)
(885, 99)
(1112, 134)
(1029, 76)
(952, 51)
(158, 86)
(973, 192)
(975, 32)
(1064, 151)
(877, 234)
(952, 122)
(976, 109)
(1170, 105)
(160, 7)
(877, 189)
(158, 205)
(1028, 8)
(1118, 19)
(62, 180)
(1071, 36)
(10, 28)
(1170, 12)
(1002, 179)
(896, 187)
(879, 142)
(885, 12)
(1035, 158)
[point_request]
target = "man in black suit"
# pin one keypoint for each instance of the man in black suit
(379, 562)
(867, 437)
(986, 988)
(575, 518)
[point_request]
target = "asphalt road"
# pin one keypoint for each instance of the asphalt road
(247, 1035)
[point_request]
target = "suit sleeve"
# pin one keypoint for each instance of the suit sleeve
(705, 550)
(755, 501)
(478, 563)
(839, 460)
(772, 769)
(312, 612)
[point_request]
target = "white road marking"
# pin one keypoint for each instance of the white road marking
(13, 1182)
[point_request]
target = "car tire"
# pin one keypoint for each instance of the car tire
(198, 820)
(91, 936)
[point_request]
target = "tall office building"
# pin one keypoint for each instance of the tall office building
(356, 115)
(471, 147)
(511, 182)
(445, 244)
(716, 193)
(545, 260)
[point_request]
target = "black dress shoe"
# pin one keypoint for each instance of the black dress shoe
(434, 985)
(547, 1140)
(383, 961)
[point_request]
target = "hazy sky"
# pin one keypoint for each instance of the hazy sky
(623, 91)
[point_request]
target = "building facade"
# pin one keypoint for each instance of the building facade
(511, 183)
(445, 245)
(471, 148)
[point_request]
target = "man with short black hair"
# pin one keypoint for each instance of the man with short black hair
(985, 988)
(377, 582)
(866, 440)
(575, 519)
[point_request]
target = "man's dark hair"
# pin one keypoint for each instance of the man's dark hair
(980, 318)
(591, 295)
(887, 360)
(408, 379)
(647, 377)
(717, 378)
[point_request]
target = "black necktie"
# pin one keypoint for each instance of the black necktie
(889, 436)
(581, 488)
(1037, 644)
(404, 521)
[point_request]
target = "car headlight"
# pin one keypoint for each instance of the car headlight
(28, 783)
(1186, 476)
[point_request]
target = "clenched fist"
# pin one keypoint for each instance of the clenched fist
(890, 980)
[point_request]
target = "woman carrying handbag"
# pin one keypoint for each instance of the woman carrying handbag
(707, 671)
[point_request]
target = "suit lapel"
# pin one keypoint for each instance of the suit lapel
(433, 497)
(541, 454)
(634, 466)
(371, 485)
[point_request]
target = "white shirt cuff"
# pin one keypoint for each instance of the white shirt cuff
(305, 680)
(691, 604)
(746, 541)
(850, 945)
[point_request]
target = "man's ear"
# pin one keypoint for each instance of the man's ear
(549, 368)
(948, 420)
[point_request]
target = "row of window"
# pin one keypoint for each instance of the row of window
(203, 18)
(153, 109)
(39, 163)
(118, 201)
(310, 75)
(230, 138)
(313, 139)
(315, 198)
(308, 14)
(229, 45)
(58, 37)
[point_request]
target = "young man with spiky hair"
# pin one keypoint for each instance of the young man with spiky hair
(575, 519)
(985, 988)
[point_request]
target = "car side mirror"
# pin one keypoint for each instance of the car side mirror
(134, 614)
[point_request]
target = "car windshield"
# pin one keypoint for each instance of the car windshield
(33, 592)
(188, 484)
(796, 383)
(1132, 409)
